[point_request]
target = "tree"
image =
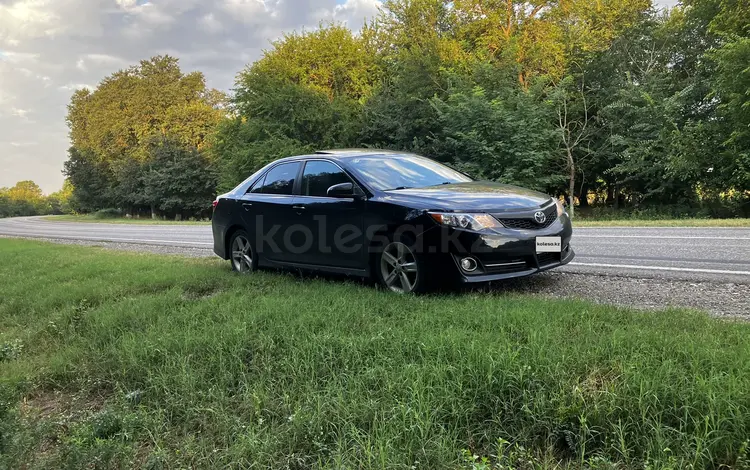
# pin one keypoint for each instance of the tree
(92, 180)
(573, 119)
(305, 93)
(331, 60)
(498, 132)
(542, 37)
(177, 180)
(112, 126)
(23, 199)
(61, 201)
(732, 85)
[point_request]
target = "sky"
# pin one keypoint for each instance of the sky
(49, 48)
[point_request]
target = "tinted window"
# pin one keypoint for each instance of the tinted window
(279, 180)
(257, 186)
(319, 176)
(386, 172)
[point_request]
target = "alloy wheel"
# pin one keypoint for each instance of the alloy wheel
(242, 254)
(398, 267)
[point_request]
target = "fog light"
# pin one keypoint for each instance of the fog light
(468, 264)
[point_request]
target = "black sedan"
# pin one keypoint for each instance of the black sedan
(405, 220)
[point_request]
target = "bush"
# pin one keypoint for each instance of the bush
(109, 213)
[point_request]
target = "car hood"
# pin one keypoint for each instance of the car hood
(475, 195)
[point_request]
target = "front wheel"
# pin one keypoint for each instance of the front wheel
(243, 257)
(399, 269)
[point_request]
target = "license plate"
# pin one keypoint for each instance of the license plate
(548, 245)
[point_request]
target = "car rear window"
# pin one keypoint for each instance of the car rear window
(279, 179)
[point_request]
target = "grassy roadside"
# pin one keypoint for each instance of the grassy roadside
(117, 360)
(121, 220)
(583, 222)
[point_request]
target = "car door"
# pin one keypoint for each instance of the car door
(268, 214)
(335, 222)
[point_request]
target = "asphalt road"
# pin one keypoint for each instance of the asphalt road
(689, 254)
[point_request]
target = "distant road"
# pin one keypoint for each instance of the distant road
(699, 254)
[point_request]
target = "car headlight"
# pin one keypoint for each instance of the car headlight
(476, 222)
(560, 207)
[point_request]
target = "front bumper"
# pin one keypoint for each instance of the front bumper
(532, 264)
(503, 254)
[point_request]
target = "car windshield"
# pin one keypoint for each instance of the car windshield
(390, 172)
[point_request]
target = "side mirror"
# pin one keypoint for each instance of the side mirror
(345, 190)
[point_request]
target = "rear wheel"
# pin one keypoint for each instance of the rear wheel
(399, 268)
(242, 255)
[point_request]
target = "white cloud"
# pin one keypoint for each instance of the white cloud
(19, 112)
(356, 11)
(18, 57)
(209, 23)
(249, 11)
(71, 87)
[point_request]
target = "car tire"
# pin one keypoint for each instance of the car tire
(400, 268)
(241, 253)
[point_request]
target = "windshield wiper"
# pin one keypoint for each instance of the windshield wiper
(397, 188)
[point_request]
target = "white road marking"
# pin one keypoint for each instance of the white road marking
(662, 268)
(577, 235)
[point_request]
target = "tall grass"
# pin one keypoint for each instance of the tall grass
(122, 360)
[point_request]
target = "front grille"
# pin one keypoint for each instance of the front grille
(547, 258)
(503, 267)
(528, 223)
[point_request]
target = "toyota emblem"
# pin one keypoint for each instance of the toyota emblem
(540, 217)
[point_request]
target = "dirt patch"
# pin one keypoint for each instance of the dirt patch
(52, 413)
(55, 404)
(201, 292)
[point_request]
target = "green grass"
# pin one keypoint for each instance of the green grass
(118, 360)
(121, 220)
(582, 222)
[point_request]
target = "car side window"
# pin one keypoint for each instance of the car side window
(319, 176)
(279, 180)
(257, 186)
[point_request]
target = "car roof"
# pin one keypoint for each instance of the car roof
(358, 152)
(342, 154)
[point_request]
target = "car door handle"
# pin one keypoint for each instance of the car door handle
(247, 205)
(298, 208)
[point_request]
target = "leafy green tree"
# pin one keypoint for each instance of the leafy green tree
(60, 201)
(178, 181)
(331, 60)
(503, 134)
(732, 86)
(243, 146)
(6, 209)
(305, 93)
(399, 115)
(92, 180)
(23, 199)
(111, 127)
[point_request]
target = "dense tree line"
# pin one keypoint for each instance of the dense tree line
(139, 140)
(609, 103)
(26, 198)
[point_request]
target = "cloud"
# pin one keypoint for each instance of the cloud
(50, 48)
(19, 112)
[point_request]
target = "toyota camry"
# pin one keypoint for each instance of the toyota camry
(407, 221)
